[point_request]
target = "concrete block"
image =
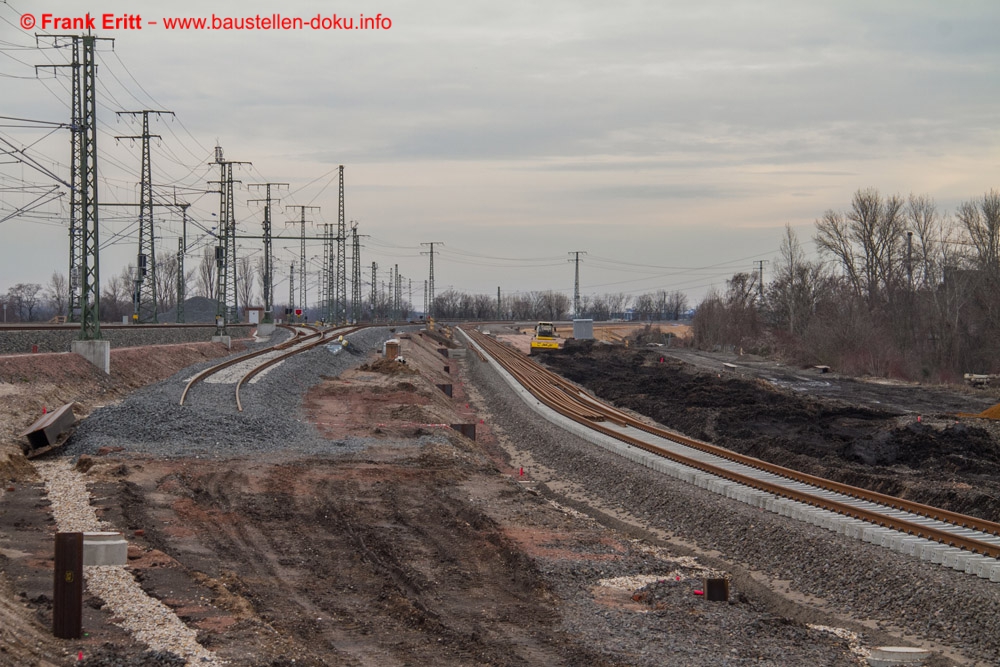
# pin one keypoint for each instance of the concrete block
(983, 566)
(266, 329)
(938, 555)
(995, 573)
(897, 656)
(225, 340)
(973, 562)
(97, 352)
(956, 559)
(104, 549)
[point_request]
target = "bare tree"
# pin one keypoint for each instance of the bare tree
(927, 226)
(24, 297)
(981, 220)
(791, 296)
(58, 293)
(618, 304)
(207, 273)
(677, 303)
(166, 281)
(867, 242)
(245, 281)
(116, 297)
(645, 306)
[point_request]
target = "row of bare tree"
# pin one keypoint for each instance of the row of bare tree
(901, 289)
(549, 305)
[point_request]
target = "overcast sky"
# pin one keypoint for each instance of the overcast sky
(671, 141)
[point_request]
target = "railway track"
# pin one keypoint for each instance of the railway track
(111, 326)
(306, 338)
(957, 540)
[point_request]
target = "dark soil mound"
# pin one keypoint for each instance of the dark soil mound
(857, 445)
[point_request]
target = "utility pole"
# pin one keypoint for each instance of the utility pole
(576, 281)
(395, 295)
(267, 278)
(374, 289)
(326, 278)
(226, 309)
(760, 279)
(499, 307)
(76, 152)
(356, 272)
(909, 260)
(291, 290)
(84, 237)
(425, 299)
(341, 279)
(390, 300)
(181, 252)
(302, 254)
(430, 276)
(145, 285)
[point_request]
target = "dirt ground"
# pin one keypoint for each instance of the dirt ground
(426, 547)
(904, 440)
(29, 383)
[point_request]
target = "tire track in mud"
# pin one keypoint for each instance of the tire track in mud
(363, 564)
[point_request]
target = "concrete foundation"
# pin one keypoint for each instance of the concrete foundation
(104, 549)
(97, 352)
(265, 329)
(225, 340)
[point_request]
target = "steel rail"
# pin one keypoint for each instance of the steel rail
(299, 337)
(568, 402)
(928, 511)
(324, 338)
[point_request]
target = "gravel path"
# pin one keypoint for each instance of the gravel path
(147, 619)
(208, 424)
(891, 598)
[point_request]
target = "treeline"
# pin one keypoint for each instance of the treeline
(549, 305)
(901, 290)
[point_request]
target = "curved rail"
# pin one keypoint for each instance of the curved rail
(298, 338)
(567, 399)
(325, 338)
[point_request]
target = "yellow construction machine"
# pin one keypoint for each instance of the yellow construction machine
(545, 338)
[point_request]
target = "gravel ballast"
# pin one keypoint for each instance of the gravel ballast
(209, 425)
(844, 580)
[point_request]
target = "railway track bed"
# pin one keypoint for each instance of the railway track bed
(411, 520)
(960, 542)
(818, 572)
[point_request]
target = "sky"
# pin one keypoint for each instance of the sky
(670, 141)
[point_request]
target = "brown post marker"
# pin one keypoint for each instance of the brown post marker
(717, 590)
(67, 596)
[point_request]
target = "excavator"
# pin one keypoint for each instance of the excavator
(545, 338)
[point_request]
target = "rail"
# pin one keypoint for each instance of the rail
(567, 399)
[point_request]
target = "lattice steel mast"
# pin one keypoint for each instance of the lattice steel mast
(430, 277)
(84, 255)
(267, 277)
(341, 278)
(576, 282)
(225, 253)
(355, 273)
(144, 302)
(302, 254)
